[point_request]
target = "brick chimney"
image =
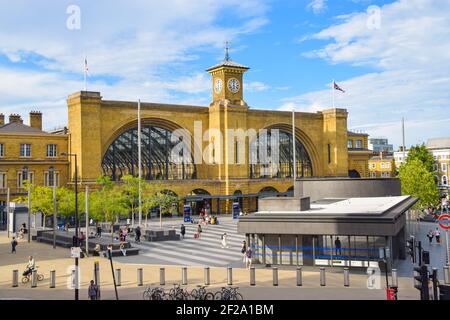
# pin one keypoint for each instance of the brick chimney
(36, 120)
(15, 118)
(2, 119)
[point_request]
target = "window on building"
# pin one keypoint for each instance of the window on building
(444, 180)
(388, 165)
(25, 150)
(50, 180)
(435, 167)
(2, 150)
(3, 180)
(28, 177)
(350, 144)
(382, 165)
(358, 144)
(329, 153)
(51, 150)
(444, 167)
(373, 174)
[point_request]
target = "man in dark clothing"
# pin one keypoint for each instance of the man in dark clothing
(183, 230)
(93, 291)
(338, 246)
(13, 245)
(138, 234)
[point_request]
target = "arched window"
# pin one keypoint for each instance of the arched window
(158, 162)
(444, 180)
(263, 156)
(268, 192)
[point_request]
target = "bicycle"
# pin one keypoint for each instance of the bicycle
(27, 278)
(177, 293)
(201, 294)
(154, 294)
(229, 293)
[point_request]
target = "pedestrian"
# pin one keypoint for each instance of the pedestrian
(199, 231)
(13, 245)
(138, 234)
(248, 258)
(183, 231)
(430, 236)
(224, 240)
(99, 230)
(243, 250)
(338, 246)
(437, 234)
(93, 291)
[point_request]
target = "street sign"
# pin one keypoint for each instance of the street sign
(442, 218)
(236, 210)
(187, 213)
(75, 252)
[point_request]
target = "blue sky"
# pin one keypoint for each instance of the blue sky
(391, 57)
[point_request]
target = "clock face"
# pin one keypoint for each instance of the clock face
(218, 86)
(234, 85)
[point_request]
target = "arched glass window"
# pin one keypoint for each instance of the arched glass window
(121, 158)
(261, 168)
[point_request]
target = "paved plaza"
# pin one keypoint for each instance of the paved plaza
(195, 254)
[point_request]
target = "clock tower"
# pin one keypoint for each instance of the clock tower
(227, 81)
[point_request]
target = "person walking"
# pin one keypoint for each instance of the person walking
(93, 291)
(13, 245)
(248, 258)
(99, 230)
(183, 231)
(437, 234)
(138, 234)
(430, 236)
(338, 246)
(243, 250)
(199, 231)
(224, 240)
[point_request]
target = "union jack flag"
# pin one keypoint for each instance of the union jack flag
(336, 87)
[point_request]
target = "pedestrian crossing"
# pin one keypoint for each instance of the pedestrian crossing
(206, 251)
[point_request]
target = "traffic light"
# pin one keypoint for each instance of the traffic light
(444, 292)
(410, 244)
(426, 257)
(422, 282)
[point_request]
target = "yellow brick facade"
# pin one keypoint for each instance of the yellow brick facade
(95, 123)
(382, 167)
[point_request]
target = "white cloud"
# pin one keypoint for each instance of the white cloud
(317, 6)
(145, 47)
(256, 86)
(411, 55)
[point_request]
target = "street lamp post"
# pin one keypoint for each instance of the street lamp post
(25, 178)
(76, 217)
(51, 172)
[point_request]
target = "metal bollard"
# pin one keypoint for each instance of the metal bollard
(275, 276)
(15, 278)
(140, 277)
(252, 276)
(322, 277)
(394, 278)
(230, 276)
(34, 279)
(118, 277)
(52, 279)
(162, 276)
(299, 277)
(207, 276)
(446, 275)
(346, 277)
(184, 280)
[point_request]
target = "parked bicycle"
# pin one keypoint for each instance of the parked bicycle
(154, 294)
(178, 293)
(201, 294)
(229, 293)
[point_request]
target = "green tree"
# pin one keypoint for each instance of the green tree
(418, 182)
(130, 190)
(421, 153)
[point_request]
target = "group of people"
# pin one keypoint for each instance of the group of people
(434, 234)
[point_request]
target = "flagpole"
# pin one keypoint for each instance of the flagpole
(140, 162)
(85, 73)
(294, 147)
(332, 90)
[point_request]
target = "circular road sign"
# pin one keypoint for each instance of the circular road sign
(446, 218)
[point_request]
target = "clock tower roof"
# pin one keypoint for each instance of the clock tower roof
(227, 62)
